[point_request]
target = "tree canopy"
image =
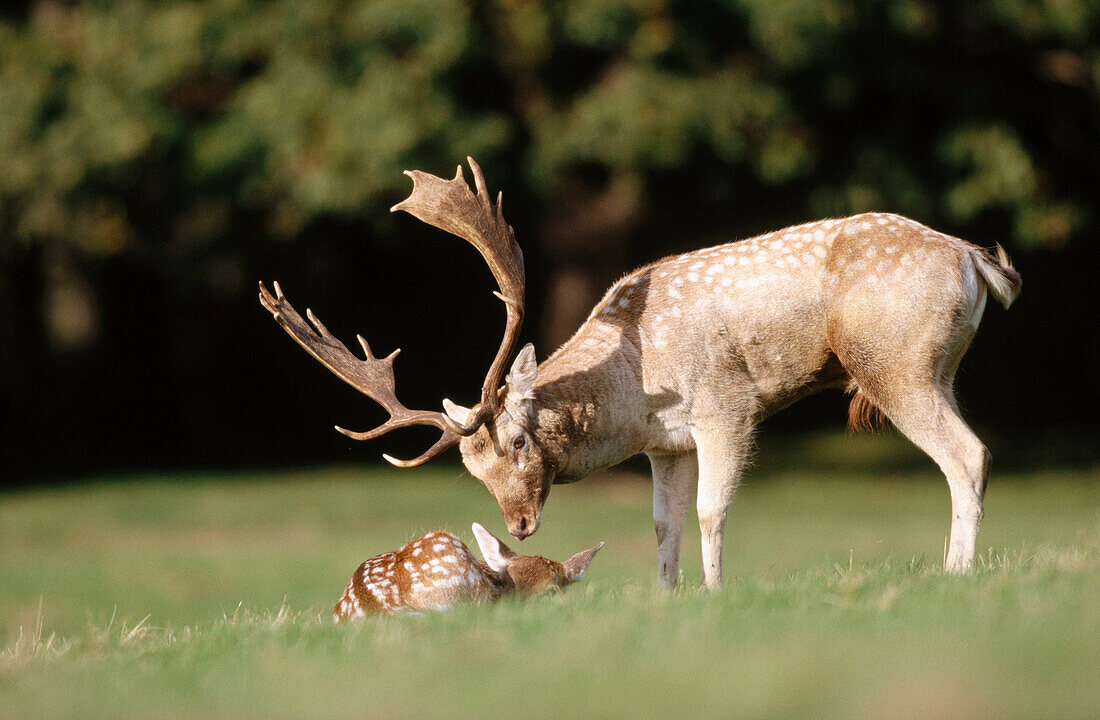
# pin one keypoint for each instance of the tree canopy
(140, 124)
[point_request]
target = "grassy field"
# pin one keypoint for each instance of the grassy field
(208, 596)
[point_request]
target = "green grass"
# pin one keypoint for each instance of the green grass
(208, 596)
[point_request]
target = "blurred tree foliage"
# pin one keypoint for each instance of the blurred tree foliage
(193, 135)
(127, 125)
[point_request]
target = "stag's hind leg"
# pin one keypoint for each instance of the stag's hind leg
(930, 418)
(674, 478)
(925, 411)
(901, 337)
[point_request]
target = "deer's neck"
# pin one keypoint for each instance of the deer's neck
(590, 401)
(494, 583)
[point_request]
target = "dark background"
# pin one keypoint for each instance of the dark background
(157, 159)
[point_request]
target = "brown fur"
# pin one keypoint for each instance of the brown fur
(864, 415)
(407, 579)
(437, 570)
(535, 575)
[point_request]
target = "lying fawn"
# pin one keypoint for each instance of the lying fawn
(437, 570)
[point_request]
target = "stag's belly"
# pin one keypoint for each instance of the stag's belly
(783, 354)
(749, 350)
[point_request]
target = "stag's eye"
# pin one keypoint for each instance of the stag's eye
(519, 442)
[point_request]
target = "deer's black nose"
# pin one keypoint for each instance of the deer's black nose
(523, 524)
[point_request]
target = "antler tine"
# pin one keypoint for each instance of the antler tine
(449, 205)
(371, 376)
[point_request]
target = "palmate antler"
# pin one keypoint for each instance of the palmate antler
(448, 205)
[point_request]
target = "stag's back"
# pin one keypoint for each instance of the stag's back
(769, 311)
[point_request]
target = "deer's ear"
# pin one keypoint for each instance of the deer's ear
(455, 412)
(575, 566)
(521, 378)
(496, 554)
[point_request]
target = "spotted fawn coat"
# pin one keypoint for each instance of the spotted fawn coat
(437, 570)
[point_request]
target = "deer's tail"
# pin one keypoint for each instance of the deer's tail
(864, 414)
(1000, 277)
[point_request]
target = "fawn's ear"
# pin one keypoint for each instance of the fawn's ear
(496, 554)
(574, 567)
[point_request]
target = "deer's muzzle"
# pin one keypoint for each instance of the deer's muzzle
(523, 522)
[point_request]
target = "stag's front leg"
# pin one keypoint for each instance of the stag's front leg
(674, 477)
(721, 455)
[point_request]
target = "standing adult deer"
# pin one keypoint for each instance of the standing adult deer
(683, 357)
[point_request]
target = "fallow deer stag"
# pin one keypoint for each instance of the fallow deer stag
(683, 357)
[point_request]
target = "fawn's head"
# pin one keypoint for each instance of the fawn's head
(531, 575)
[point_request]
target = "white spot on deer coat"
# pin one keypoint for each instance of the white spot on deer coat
(451, 581)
